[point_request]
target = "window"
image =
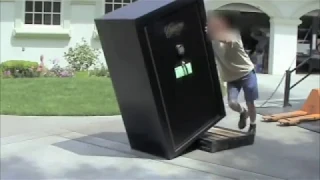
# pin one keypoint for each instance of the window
(112, 5)
(43, 12)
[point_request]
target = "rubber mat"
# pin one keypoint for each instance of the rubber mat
(311, 126)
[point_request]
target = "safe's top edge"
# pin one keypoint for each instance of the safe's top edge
(140, 8)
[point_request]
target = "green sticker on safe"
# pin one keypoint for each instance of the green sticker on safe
(179, 71)
(188, 68)
(183, 70)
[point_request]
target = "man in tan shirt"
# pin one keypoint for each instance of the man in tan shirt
(235, 67)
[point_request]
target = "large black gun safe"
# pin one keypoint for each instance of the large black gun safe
(163, 72)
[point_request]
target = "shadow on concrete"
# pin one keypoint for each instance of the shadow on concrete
(116, 141)
(313, 126)
(111, 141)
(18, 168)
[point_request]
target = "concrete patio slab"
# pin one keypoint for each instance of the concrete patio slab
(30, 136)
(277, 150)
(15, 125)
(100, 149)
(41, 159)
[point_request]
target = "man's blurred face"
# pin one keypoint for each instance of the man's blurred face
(216, 26)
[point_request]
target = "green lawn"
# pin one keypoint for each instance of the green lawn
(92, 96)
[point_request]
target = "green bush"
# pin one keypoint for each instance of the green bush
(20, 68)
(1, 72)
(101, 71)
(82, 56)
(82, 74)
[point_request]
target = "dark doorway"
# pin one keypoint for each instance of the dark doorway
(306, 35)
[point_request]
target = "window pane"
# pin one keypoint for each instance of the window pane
(38, 6)
(117, 6)
(108, 8)
(56, 19)
(29, 6)
(37, 19)
(47, 6)
(127, 1)
(47, 19)
(56, 7)
(109, 1)
(28, 17)
(118, 1)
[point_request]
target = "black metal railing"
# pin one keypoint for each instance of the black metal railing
(288, 86)
(314, 57)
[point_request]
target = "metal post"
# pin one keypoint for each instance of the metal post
(287, 89)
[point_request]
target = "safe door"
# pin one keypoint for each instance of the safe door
(177, 45)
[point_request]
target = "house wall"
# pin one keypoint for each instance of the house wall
(18, 41)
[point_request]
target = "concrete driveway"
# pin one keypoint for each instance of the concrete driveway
(100, 150)
(97, 148)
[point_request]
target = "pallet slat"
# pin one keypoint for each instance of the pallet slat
(219, 139)
(229, 131)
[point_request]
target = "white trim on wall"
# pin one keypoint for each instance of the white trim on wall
(306, 8)
(83, 2)
(99, 8)
(30, 30)
(240, 7)
(265, 6)
(99, 12)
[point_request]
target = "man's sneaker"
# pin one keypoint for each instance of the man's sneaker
(252, 129)
(243, 119)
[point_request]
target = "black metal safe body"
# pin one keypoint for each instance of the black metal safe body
(163, 72)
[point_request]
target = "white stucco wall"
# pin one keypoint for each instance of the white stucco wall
(30, 42)
(20, 42)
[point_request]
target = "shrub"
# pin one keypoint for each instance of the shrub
(57, 71)
(20, 68)
(5, 74)
(82, 74)
(101, 71)
(82, 56)
(1, 71)
(67, 72)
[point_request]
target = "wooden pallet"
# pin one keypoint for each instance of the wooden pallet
(219, 139)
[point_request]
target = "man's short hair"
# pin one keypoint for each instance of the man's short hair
(224, 15)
